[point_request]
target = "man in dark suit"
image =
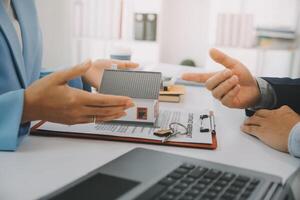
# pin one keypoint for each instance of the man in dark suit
(276, 101)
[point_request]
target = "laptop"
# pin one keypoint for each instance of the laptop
(143, 174)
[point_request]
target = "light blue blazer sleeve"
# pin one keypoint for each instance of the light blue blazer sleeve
(11, 106)
(18, 69)
(12, 132)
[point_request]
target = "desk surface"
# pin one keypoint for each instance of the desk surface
(42, 165)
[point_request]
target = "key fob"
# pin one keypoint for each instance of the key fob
(163, 132)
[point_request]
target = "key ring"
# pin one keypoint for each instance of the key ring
(174, 131)
(173, 125)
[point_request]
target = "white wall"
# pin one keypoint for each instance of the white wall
(267, 14)
(184, 32)
(56, 27)
(296, 64)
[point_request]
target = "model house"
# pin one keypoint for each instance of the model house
(142, 87)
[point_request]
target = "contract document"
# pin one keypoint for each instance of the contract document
(199, 126)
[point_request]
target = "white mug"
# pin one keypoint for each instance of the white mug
(120, 53)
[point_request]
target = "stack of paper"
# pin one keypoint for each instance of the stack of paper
(190, 119)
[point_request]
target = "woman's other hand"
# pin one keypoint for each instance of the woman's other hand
(94, 75)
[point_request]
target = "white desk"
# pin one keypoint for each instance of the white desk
(42, 165)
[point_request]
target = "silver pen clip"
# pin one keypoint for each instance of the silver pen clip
(212, 122)
(212, 126)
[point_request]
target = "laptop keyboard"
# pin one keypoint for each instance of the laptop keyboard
(189, 182)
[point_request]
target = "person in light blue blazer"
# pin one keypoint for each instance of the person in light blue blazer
(57, 97)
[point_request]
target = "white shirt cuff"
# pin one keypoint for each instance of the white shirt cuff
(267, 97)
(294, 141)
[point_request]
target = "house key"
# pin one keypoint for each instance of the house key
(169, 136)
(174, 129)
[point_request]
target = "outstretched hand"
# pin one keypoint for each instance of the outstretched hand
(51, 99)
(94, 75)
(235, 87)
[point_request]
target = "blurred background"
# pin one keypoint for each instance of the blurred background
(263, 34)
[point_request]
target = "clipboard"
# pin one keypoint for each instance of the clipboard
(37, 132)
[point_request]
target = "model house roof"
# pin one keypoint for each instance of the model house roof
(135, 84)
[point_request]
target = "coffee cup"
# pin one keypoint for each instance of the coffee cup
(120, 53)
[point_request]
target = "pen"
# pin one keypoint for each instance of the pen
(212, 122)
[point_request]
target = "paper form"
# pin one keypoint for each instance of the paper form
(189, 119)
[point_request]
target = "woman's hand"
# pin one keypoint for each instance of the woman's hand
(235, 87)
(272, 126)
(51, 99)
(94, 75)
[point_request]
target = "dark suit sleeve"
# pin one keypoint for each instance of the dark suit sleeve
(287, 92)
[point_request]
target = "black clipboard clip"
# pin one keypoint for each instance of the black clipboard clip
(212, 124)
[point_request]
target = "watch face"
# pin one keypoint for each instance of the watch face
(142, 113)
